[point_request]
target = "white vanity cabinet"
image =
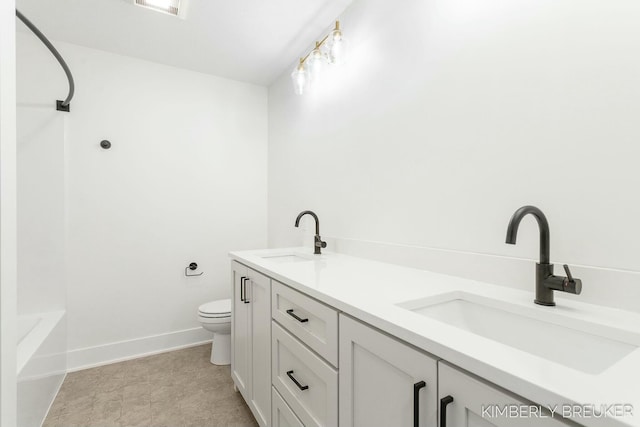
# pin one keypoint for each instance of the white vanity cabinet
(384, 382)
(251, 339)
(467, 401)
(301, 362)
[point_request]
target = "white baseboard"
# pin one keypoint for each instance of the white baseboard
(89, 357)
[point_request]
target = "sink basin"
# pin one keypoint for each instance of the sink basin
(560, 339)
(287, 258)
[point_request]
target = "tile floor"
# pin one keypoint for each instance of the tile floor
(176, 389)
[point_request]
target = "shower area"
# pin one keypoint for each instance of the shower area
(41, 291)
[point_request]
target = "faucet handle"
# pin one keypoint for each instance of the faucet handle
(571, 285)
(568, 272)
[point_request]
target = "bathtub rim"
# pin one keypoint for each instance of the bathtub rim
(36, 337)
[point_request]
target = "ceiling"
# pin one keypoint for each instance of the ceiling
(248, 40)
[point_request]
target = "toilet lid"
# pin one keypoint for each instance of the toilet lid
(219, 308)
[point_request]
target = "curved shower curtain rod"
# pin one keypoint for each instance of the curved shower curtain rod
(60, 105)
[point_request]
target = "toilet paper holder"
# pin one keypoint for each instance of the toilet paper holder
(192, 266)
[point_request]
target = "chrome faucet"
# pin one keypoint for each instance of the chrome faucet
(546, 282)
(317, 241)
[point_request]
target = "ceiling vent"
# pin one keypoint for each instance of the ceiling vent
(171, 7)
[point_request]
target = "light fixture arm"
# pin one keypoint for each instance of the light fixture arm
(319, 44)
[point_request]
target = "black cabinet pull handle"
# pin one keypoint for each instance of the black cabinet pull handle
(443, 410)
(242, 279)
(246, 298)
(416, 402)
(300, 386)
(299, 319)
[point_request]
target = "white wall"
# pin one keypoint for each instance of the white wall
(8, 263)
(451, 114)
(185, 180)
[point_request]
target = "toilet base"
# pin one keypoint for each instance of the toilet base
(221, 349)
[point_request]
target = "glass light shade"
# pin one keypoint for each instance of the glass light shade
(337, 48)
(316, 64)
(300, 79)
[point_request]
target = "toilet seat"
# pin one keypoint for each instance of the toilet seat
(214, 320)
(220, 309)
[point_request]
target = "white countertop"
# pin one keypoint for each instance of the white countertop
(369, 290)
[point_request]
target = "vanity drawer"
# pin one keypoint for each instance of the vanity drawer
(282, 415)
(307, 383)
(312, 322)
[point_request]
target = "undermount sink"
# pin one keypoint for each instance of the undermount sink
(286, 258)
(590, 348)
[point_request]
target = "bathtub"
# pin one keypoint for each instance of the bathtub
(41, 364)
(26, 325)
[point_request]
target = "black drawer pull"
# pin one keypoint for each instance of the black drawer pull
(300, 386)
(443, 410)
(246, 298)
(299, 319)
(242, 279)
(416, 402)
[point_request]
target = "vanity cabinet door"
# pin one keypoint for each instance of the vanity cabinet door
(259, 298)
(384, 382)
(240, 333)
(251, 339)
(467, 401)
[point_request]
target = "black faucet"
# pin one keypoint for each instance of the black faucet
(546, 282)
(317, 241)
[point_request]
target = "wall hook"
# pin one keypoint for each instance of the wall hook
(193, 266)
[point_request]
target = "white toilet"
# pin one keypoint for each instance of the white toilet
(215, 316)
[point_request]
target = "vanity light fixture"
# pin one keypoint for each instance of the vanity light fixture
(330, 50)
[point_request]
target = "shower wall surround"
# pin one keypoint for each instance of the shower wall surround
(41, 302)
(41, 210)
(184, 180)
(451, 114)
